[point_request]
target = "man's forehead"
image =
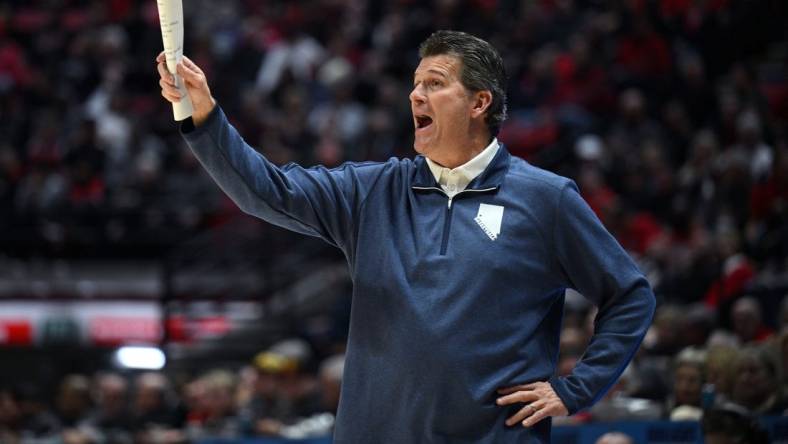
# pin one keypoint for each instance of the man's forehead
(444, 65)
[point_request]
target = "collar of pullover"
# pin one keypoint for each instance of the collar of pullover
(491, 176)
(454, 180)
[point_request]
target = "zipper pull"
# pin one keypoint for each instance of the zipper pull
(450, 203)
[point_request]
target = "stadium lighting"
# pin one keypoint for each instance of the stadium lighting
(142, 358)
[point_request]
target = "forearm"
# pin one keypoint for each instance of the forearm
(250, 180)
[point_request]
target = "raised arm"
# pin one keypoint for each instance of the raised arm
(316, 201)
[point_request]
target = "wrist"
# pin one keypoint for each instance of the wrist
(201, 113)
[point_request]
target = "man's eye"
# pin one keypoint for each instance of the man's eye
(434, 83)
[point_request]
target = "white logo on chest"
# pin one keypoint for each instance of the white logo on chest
(489, 219)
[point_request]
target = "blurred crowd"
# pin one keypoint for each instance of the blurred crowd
(671, 115)
(284, 392)
(688, 365)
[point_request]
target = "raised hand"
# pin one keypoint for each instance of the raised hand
(196, 86)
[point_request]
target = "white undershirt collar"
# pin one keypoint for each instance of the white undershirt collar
(454, 180)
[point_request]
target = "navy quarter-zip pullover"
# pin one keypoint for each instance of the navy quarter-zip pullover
(452, 299)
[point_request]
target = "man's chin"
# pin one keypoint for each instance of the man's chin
(423, 147)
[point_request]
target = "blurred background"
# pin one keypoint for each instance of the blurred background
(138, 304)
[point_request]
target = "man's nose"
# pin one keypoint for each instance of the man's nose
(417, 96)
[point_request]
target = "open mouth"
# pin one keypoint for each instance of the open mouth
(423, 121)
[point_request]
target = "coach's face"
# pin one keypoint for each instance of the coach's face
(442, 107)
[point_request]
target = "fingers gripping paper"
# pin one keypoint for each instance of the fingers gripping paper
(171, 19)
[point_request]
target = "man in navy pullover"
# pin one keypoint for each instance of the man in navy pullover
(460, 259)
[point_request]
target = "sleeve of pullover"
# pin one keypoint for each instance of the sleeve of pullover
(316, 201)
(599, 268)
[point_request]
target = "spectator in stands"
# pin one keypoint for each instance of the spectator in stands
(217, 407)
(642, 54)
(246, 388)
(751, 150)
(756, 387)
(747, 319)
(614, 438)
(321, 422)
(10, 416)
(265, 401)
(330, 375)
(573, 342)
(619, 405)
(73, 401)
(700, 321)
(24, 416)
(767, 214)
(736, 268)
(721, 371)
(110, 420)
(287, 393)
(630, 133)
(689, 375)
(665, 336)
(153, 407)
(696, 178)
(649, 376)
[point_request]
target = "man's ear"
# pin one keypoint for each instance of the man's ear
(482, 102)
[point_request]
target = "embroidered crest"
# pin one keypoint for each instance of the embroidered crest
(489, 219)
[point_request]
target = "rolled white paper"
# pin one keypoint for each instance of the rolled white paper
(171, 19)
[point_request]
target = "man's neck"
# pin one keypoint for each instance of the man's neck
(452, 158)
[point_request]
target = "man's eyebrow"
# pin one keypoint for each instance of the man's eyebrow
(435, 71)
(432, 71)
